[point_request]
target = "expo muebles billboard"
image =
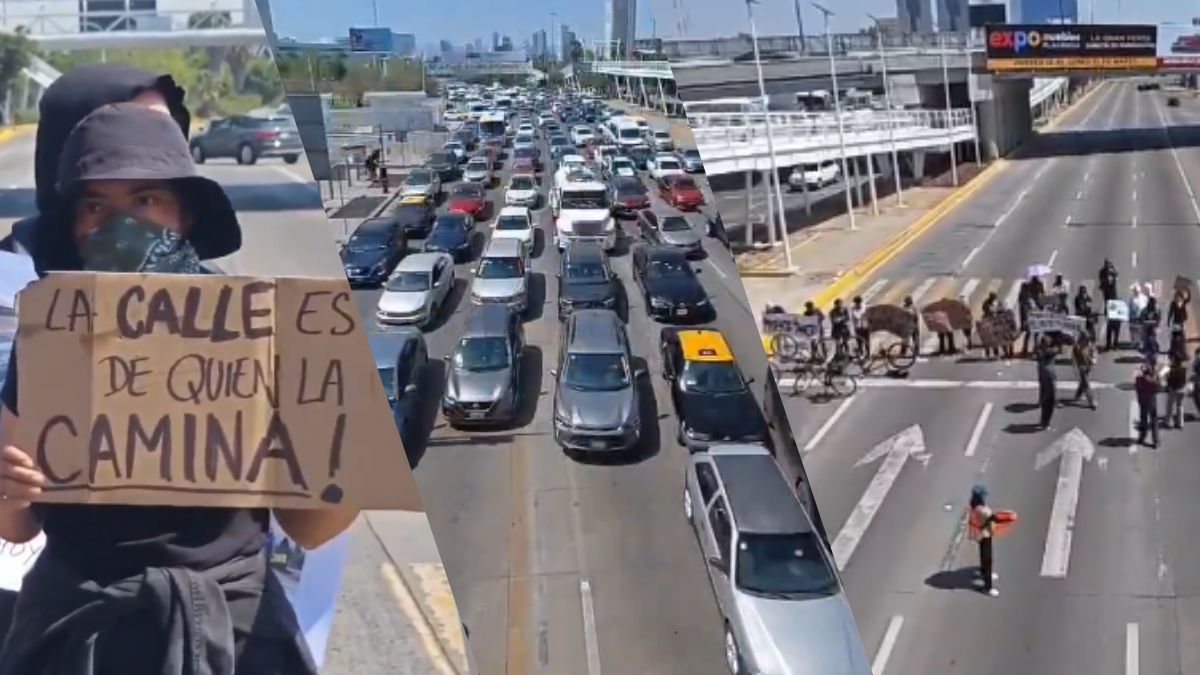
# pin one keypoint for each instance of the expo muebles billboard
(1057, 48)
(1179, 47)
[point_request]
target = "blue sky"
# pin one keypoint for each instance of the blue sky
(463, 20)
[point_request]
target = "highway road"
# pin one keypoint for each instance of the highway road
(562, 567)
(1098, 576)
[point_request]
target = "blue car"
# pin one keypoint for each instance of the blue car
(401, 357)
(452, 233)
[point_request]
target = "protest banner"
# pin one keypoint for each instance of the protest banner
(205, 391)
(1116, 310)
(998, 329)
(791, 324)
(891, 319)
(1054, 322)
(1185, 285)
(947, 315)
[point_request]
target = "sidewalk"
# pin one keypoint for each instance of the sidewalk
(681, 133)
(348, 206)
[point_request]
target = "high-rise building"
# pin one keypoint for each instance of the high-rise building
(916, 16)
(568, 43)
(1047, 11)
(495, 41)
(506, 44)
(954, 16)
(620, 25)
(541, 46)
(478, 45)
(445, 47)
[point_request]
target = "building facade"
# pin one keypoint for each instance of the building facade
(916, 16)
(954, 16)
(1047, 11)
(620, 25)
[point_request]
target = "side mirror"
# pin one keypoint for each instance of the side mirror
(410, 389)
(639, 371)
(554, 372)
(749, 381)
(718, 564)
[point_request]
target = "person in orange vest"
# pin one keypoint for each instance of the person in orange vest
(980, 524)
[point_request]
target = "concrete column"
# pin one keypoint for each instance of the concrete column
(749, 206)
(662, 97)
(856, 171)
(771, 222)
(918, 162)
(874, 190)
(804, 188)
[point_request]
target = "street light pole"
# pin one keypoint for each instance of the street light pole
(949, 107)
(891, 111)
(762, 90)
(837, 111)
(375, 11)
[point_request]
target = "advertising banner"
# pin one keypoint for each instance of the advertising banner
(1178, 47)
(378, 40)
(1058, 48)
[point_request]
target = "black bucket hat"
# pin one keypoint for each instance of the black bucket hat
(128, 141)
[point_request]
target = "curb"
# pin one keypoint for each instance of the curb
(16, 131)
(751, 273)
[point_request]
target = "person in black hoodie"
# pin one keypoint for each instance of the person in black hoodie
(189, 587)
(72, 97)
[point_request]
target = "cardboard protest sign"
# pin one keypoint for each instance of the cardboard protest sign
(791, 324)
(1116, 310)
(890, 319)
(947, 315)
(1053, 322)
(1184, 285)
(188, 390)
(998, 329)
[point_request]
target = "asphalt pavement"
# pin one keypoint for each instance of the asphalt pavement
(558, 564)
(1097, 575)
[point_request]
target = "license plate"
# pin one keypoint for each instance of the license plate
(681, 312)
(475, 414)
(598, 444)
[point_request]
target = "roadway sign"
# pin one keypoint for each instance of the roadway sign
(371, 40)
(1178, 47)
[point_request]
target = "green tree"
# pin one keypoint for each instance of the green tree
(16, 50)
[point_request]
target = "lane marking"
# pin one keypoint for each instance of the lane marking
(1053, 257)
(591, 644)
(1010, 299)
(873, 290)
(1135, 195)
(1133, 426)
(1178, 163)
(837, 414)
(887, 645)
(1079, 195)
(986, 385)
(970, 256)
(1073, 451)
(968, 288)
(434, 650)
(717, 269)
(977, 432)
(1067, 222)
(923, 288)
(1132, 649)
(1133, 258)
(1134, 221)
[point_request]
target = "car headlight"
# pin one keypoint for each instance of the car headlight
(659, 303)
(609, 302)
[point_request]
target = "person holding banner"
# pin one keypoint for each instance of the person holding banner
(862, 327)
(1108, 281)
(839, 328)
(915, 338)
(1138, 301)
(817, 343)
(183, 586)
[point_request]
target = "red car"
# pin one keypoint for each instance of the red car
(680, 192)
(629, 196)
(468, 198)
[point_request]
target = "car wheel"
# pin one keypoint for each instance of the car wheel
(246, 154)
(291, 159)
(688, 510)
(733, 653)
(198, 155)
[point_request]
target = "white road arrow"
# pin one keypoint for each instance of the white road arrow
(895, 453)
(1074, 449)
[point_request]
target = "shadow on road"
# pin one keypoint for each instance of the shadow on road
(961, 579)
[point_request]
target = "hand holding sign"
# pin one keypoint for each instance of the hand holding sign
(212, 391)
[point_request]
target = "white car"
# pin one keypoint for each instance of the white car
(457, 147)
(527, 128)
(522, 190)
(514, 222)
(661, 140)
(478, 170)
(665, 165)
(524, 140)
(417, 290)
(622, 167)
(582, 135)
(815, 176)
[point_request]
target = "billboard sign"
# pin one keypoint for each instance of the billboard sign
(1058, 48)
(377, 40)
(1179, 47)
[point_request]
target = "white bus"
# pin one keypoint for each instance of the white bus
(492, 125)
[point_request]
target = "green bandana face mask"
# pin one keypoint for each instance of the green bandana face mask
(127, 244)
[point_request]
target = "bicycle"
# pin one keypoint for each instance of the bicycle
(897, 357)
(832, 375)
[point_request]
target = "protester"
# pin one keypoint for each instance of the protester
(1138, 301)
(981, 529)
(915, 338)
(1177, 315)
(1146, 388)
(1176, 380)
(1060, 295)
(1037, 291)
(991, 305)
(1196, 381)
(1108, 280)
(817, 342)
(1084, 356)
(862, 328)
(1028, 297)
(1047, 381)
(968, 330)
(1084, 310)
(839, 327)
(188, 589)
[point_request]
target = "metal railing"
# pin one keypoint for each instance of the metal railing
(34, 17)
(727, 129)
(812, 45)
(653, 68)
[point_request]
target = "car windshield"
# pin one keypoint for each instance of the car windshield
(596, 372)
(667, 164)
(481, 354)
(782, 565)
(631, 189)
(691, 154)
(524, 153)
(585, 272)
(408, 282)
(712, 378)
(441, 158)
(451, 221)
(466, 192)
(367, 241)
(420, 177)
(478, 164)
(674, 224)
(667, 267)
(584, 199)
(630, 133)
(683, 184)
(500, 268)
(521, 183)
(512, 223)
(622, 163)
(387, 375)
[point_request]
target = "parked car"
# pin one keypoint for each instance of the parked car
(452, 233)
(774, 580)
(670, 288)
(417, 290)
(585, 279)
(483, 374)
(422, 182)
(502, 276)
(712, 399)
(416, 215)
(670, 230)
(373, 250)
(469, 198)
(248, 139)
(401, 358)
(596, 398)
(680, 191)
